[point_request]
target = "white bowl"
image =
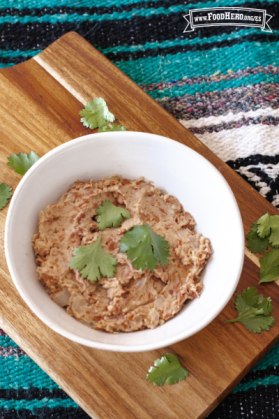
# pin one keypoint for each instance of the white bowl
(173, 167)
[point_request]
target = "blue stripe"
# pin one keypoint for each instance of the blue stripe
(6, 341)
(22, 4)
(200, 63)
(37, 404)
(271, 380)
(22, 372)
(210, 87)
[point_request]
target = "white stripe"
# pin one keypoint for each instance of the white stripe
(216, 120)
(243, 142)
(263, 187)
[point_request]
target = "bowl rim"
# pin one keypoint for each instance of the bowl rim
(105, 346)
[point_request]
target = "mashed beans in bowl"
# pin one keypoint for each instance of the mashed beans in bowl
(133, 299)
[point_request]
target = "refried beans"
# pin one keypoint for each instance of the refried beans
(133, 299)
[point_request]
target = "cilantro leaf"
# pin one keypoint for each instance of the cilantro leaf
(5, 194)
(264, 304)
(168, 368)
(96, 114)
(110, 215)
(269, 224)
(258, 323)
(21, 162)
(92, 261)
(255, 243)
(253, 311)
(145, 248)
(269, 270)
(111, 127)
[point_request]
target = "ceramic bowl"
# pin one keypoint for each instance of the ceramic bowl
(172, 167)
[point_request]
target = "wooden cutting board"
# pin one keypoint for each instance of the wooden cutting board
(39, 109)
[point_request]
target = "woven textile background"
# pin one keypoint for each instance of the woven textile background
(220, 82)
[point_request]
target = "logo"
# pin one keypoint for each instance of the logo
(227, 16)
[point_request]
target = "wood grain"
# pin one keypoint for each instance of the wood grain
(39, 109)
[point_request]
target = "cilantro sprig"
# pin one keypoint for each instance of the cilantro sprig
(256, 244)
(264, 234)
(92, 261)
(96, 114)
(253, 311)
(145, 248)
(268, 226)
(5, 194)
(22, 162)
(110, 215)
(167, 368)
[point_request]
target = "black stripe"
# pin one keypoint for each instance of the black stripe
(102, 34)
(107, 33)
(13, 60)
(123, 8)
(259, 403)
(125, 56)
(95, 10)
(274, 186)
(261, 374)
(44, 413)
(91, 10)
(253, 160)
(253, 184)
(32, 393)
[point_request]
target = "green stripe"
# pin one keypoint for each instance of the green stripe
(19, 53)
(182, 42)
(22, 4)
(200, 63)
(37, 404)
(7, 341)
(22, 372)
(6, 65)
(210, 87)
(271, 380)
(270, 360)
(86, 17)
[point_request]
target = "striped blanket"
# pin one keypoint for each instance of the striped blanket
(220, 82)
